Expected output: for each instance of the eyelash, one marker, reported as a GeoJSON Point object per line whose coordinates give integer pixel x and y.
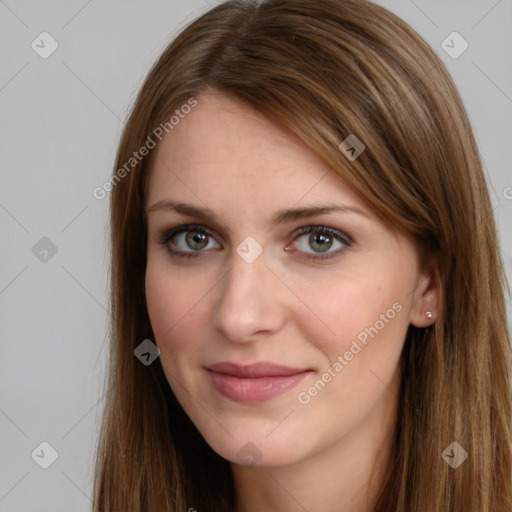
{"type": "Point", "coordinates": [338, 235]}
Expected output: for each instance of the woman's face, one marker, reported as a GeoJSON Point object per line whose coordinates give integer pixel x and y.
{"type": "Point", "coordinates": [247, 284]}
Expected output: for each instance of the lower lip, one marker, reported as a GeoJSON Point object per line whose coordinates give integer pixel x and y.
{"type": "Point", "coordinates": [254, 389]}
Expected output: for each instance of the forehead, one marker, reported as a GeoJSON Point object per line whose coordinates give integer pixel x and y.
{"type": "Point", "coordinates": [225, 150]}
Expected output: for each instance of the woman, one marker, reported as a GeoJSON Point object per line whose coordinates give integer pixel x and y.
{"type": "Point", "coordinates": [289, 376]}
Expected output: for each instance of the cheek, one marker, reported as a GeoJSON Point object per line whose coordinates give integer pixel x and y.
{"type": "Point", "coordinates": [173, 310]}
{"type": "Point", "coordinates": [360, 360]}
{"type": "Point", "coordinates": [364, 316]}
{"type": "Point", "coordinates": [164, 310]}
{"type": "Point", "coordinates": [161, 308]}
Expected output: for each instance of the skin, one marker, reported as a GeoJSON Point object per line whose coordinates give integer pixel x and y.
{"type": "Point", "coordinates": [331, 453]}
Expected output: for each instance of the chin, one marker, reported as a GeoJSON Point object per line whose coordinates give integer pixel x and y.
{"type": "Point", "coordinates": [256, 451]}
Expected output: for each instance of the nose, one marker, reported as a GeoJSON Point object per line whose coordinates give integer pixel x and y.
{"type": "Point", "coordinates": [248, 303]}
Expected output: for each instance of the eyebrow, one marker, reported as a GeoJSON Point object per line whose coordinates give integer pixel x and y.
{"type": "Point", "coordinates": [280, 216]}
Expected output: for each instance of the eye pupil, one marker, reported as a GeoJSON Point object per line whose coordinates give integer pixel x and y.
{"type": "Point", "coordinates": [194, 237]}
{"type": "Point", "coordinates": [322, 240]}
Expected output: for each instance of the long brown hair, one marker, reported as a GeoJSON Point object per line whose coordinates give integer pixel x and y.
{"type": "Point", "coordinates": [325, 70]}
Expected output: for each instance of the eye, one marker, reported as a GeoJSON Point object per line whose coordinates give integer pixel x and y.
{"type": "Point", "coordinates": [189, 239]}
{"type": "Point", "coordinates": [321, 239]}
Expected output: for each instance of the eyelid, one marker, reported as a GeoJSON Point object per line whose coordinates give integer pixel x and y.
{"type": "Point", "coordinates": [322, 228]}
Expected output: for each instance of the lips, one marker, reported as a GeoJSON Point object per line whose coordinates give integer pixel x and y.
{"type": "Point", "coordinates": [255, 370]}
{"type": "Point", "coordinates": [255, 382]}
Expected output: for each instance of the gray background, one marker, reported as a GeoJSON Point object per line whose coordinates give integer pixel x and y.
{"type": "Point", "coordinates": [61, 119]}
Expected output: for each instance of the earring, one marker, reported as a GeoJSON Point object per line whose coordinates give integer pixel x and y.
{"type": "Point", "coordinates": [429, 314]}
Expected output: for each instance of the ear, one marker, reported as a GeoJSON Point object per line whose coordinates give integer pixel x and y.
{"type": "Point", "coordinates": [426, 298]}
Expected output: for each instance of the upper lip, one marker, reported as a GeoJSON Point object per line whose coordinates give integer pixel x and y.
{"type": "Point", "coordinates": [259, 369]}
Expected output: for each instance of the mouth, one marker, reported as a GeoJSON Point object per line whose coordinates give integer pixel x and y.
{"type": "Point", "coordinates": [256, 382]}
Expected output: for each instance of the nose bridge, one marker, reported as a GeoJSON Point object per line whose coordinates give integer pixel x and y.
{"type": "Point", "coordinates": [246, 304]}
